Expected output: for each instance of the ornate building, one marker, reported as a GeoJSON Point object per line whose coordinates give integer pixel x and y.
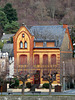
{"type": "Point", "coordinates": [43, 47]}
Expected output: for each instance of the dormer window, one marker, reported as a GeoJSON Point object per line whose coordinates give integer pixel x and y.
{"type": "Point", "coordinates": [23, 35]}
{"type": "Point", "coordinates": [25, 44]}
{"type": "Point", "coordinates": [51, 44]}
{"type": "Point", "coordinates": [21, 44]}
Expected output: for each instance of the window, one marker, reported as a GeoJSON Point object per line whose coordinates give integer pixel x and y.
{"type": "Point", "coordinates": [23, 35]}
{"type": "Point", "coordinates": [25, 44]}
{"type": "Point", "coordinates": [21, 44]}
{"type": "Point", "coordinates": [23, 59]}
{"type": "Point", "coordinates": [45, 59]}
{"type": "Point", "coordinates": [36, 59]}
{"type": "Point", "coordinates": [53, 59]}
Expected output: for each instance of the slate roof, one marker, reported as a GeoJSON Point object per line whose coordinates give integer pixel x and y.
{"type": "Point", "coordinates": [44, 33]}
{"type": "Point", "coordinates": [7, 36]}
{"type": "Point", "coordinates": [8, 48]}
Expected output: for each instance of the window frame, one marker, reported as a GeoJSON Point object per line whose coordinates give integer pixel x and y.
{"type": "Point", "coordinates": [21, 44]}
{"type": "Point", "coordinates": [53, 59]}
{"type": "Point", "coordinates": [22, 62]}
{"type": "Point", "coordinates": [23, 35]}
{"type": "Point", "coordinates": [36, 62]}
{"type": "Point", "coordinates": [25, 45]}
{"type": "Point", "coordinates": [45, 62]}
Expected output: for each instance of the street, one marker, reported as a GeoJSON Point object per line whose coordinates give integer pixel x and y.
{"type": "Point", "coordinates": [67, 92]}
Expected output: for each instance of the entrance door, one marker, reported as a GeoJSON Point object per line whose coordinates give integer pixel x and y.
{"type": "Point", "coordinates": [37, 77]}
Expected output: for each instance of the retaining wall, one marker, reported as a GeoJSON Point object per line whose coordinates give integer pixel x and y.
{"type": "Point", "coordinates": [37, 97]}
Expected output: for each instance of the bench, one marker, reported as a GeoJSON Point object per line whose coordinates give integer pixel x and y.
{"type": "Point", "coordinates": [34, 92]}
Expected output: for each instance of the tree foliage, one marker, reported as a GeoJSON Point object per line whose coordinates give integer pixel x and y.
{"type": "Point", "coordinates": [1, 9]}
{"type": "Point", "coordinates": [10, 12]}
{"type": "Point", "coordinates": [11, 28]}
{"type": "Point", "coordinates": [73, 34]}
{"type": "Point", "coordinates": [8, 18]}
{"type": "Point", "coordinates": [44, 11]}
{"type": "Point", "coordinates": [3, 19]}
{"type": "Point", "coordinates": [1, 45]}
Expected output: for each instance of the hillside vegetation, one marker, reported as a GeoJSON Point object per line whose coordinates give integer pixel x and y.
{"type": "Point", "coordinates": [43, 12]}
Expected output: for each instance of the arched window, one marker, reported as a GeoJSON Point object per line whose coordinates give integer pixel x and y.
{"type": "Point", "coordinates": [53, 59]}
{"type": "Point", "coordinates": [23, 59]}
{"type": "Point", "coordinates": [25, 44]}
{"type": "Point", "coordinates": [36, 59]}
{"type": "Point", "coordinates": [21, 44]}
{"type": "Point", "coordinates": [45, 59]}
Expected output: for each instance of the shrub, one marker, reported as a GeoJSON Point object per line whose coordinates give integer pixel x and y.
{"type": "Point", "coordinates": [46, 85]}
{"type": "Point", "coordinates": [16, 82]}
{"type": "Point", "coordinates": [28, 85]}
{"type": "Point", "coordinates": [1, 45]}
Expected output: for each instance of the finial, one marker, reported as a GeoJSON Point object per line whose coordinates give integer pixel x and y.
{"type": "Point", "coordinates": [23, 24]}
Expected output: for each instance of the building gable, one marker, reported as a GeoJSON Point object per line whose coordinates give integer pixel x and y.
{"type": "Point", "coordinates": [66, 47]}
{"type": "Point", "coordinates": [22, 30]}
{"type": "Point", "coordinates": [67, 43]}
{"type": "Point", "coordinates": [67, 31]}
{"type": "Point", "coordinates": [23, 35]}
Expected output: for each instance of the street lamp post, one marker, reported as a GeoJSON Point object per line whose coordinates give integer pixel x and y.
{"type": "Point", "coordinates": [63, 76]}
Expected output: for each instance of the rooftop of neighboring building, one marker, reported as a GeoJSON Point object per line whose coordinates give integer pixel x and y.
{"type": "Point", "coordinates": [7, 36]}
{"type": "Point", "coordinates": [8, 48]}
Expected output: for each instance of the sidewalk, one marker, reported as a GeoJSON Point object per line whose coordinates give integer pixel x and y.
{"type": "Point", "coordinates": [27, 90]}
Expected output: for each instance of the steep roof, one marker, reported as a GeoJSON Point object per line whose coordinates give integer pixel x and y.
{"type": "Point", "coordinates": [7, 36]}
{"type": "Point", "coordinates": [53, 32]}
{"type": "Point", "coordinates": [8, 48]}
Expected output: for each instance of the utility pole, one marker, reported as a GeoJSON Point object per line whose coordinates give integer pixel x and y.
{"type": "Point", "coordinates": [63, 75]}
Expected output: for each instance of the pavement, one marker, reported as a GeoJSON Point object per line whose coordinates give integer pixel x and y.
{"type": "Point", "coordinates": [42, 92]}
{"type": "Point", "coordinates": [27, 90]}
{"type": "Point", "coordinates": [72, 91]}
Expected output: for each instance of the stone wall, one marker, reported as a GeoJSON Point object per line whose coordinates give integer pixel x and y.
{"type": "Point", "coordinates": [37, 97]}
{"type": "Point", "coordinates": [66, 49]}
{"type": "Point", "coordinates": [66, 56]}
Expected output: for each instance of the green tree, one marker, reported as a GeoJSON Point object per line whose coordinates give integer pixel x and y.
{"type": "Point", "coordinates": [3, 19]}
{"type": "Point", "coordinates": [11, 39]}
{"type": "Point", "coordinates": [11, 28]}
{"type": "Point", "coordinates": [73, 34]}
{"type": "Point", "coordinates": [10, 12]}
{"type": "Point", "coordinates": [1, 9]}
{"type": "Point", "coordinates": [16, 82]}
{"type": "Point", "coordinates": [1, 45]}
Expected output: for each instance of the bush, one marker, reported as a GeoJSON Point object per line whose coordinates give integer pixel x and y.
{"type": "Point", "coordinates": [1, 45]}
{"type": "Point", "coordinates": [28, 85]}
{"type": "Point", "coordinates": [16, 82]}
{"type": "Point", "coordinates": [12, 85]}
{"type": "Point", "coordinates": [46, 85]}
